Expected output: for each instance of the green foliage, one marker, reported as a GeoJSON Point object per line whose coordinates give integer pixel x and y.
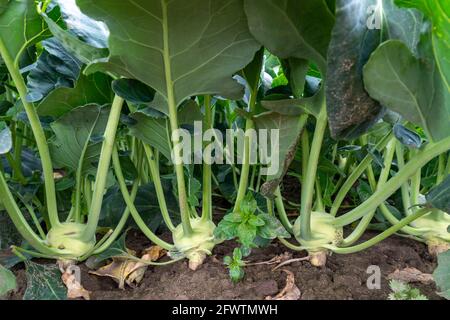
{"type": "Point", "coordinates": [21, 24]}
{"type": "Point", "coordinates": [92, 89]}
{"type": "Point", "coordinates": [44, 282]}
{"type": "Point", "coordinates": [54, 69]}
{"type": "Point", "coordinates": [403, 82]}
{"type": "Point", "coordinates": [235, 265]}
{"type": "Point", "coordinates": [442, 275]}
{"type": "Point", "coordinates": [185, 50]}
{"type": "Point", "coordinates": [438, 13]}
{"type": "Point", "coordinates": [7, 281]}
{"type": "Point", "coordinates": [439, 197]}
{"type": "Point", "coordinates": [403, 291]}
{"type": "Point", "coordinates": [83, 37]}
{"type": "Point", "coordinates": [78, 137]}
{"type": "Point", "coordinates": [248, 224]}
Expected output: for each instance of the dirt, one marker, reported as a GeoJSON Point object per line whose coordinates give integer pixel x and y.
{"type": "Point", "coordinates": [343, 278]}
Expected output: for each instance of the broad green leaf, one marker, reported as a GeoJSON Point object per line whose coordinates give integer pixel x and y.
{"type": "Point", "coordinates": [289, 129]}
{"type": "Point", "coordinates": [410, 86]}
{"type": "Point", "coordinates": [6, 143]}
{"type": "Point", "coordinates": [439, 196]}
{"type": "Point", "coordinates": [20, 26]}
{"type": "Point", "coordinates": [44, 282]}
{"type": "Point", "coordinates": [442, 275]}
{"type": "Point", "coordinates": [402, 24]}
{"type": "Point", "coordinates": [84, 37]}
{"type": "Point", "coordinates": [179, 48]}
{"type": "Point", "coordinates": [54, 69]}
{"type": "Point", "coordinates": [75, 135]}
{"type": "Point", "coordinates": [292, 28]}
{"type": "Point", "coordinates": [95, 88]}
{"type": "Point", "coordinates": [7, 281]}
{"type": "Point", "coordinates": [351, 110]}
{"type": "Point", "coordinates": [438, 11]}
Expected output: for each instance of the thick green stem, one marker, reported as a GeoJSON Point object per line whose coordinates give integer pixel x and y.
{"type": "Point", "coordinates": [179, 167]}
{"type": "Point", "coordinates": [282, 211]}
{"type": "Point", "coordinates": [103, 167]}
{"type": "Point", "coordinates": [441, 169]}
{"type": "Point", "coordinates": [354, 176]}
{"type": "Point", "coordinates": [126, 214]}
{"type": "Point", "coordinates": [245, 171]}
{"type": "Point", "coordinates": [207, 183]}
{"type": "Point", "coordinates": [154, 170]}
{"type": "Point", "coordinates": [129, 202]}
{"type": "Point", "coordinates": [38, 131]}
{"type": "Point", "coordinates": [415, 182]}
{"type": "Point", "coordinates": [310, 178]}
{"type": "Point", "coordinates": [305, 152]}
{"type": "Point", "coordinates": [422, 158]}
{"type": "Point", "coordinates": [319, 198]}
{"type": "Point", "coordinates": [384, 176]}
{"type": "Point", "coordinates": [382, 236]}
{"type": "Point", "coordinates": [393, 220]}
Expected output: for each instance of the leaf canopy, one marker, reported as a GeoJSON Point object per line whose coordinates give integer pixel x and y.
{"type": "Point", "coordinates": [179, 48]}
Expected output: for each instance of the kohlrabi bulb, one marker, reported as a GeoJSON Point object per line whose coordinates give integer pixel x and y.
{"type": "Point", "coordinates": [67, 239]}
{"type": "Point", "coordinates": [323, 232]}
{"type": "Point", "coordinates": [435, 231]}
{"type": "Point", "coordinates": [198, 245]}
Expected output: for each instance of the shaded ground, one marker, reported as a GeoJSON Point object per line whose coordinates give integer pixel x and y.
{"type": "Point", "coordinates": [344, 277]}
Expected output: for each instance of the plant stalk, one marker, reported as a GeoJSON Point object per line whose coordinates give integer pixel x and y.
{"type": "Point", "coordinates": [39, 134]}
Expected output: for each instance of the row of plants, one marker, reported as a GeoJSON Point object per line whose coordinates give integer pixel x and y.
{"type": "Point", "coordinates": [94, 94]}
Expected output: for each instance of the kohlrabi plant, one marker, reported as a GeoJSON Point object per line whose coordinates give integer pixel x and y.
{"type": "Point", "coordinates": [113, 115]}
{"type": "Point", "coordinates": [84, 133]}
{"type": "Point", "coordinates": [180, 50]}
{"type": "Point", "coordinates": [342, 102]}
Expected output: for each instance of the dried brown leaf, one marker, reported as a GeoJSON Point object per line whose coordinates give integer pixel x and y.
{"type": "Point", "coordinates": [127, 271]}
{"type": "Point", "coordinates": [411, 275]}
{"type": "Point", "coordinates": [290, 291]}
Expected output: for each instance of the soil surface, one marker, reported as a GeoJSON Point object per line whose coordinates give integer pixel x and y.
{"type": "Point", "coordinates": [344, 277]}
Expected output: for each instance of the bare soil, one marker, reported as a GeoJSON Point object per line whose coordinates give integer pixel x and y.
{"type": "Point", "coordinates": [343, 278]}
